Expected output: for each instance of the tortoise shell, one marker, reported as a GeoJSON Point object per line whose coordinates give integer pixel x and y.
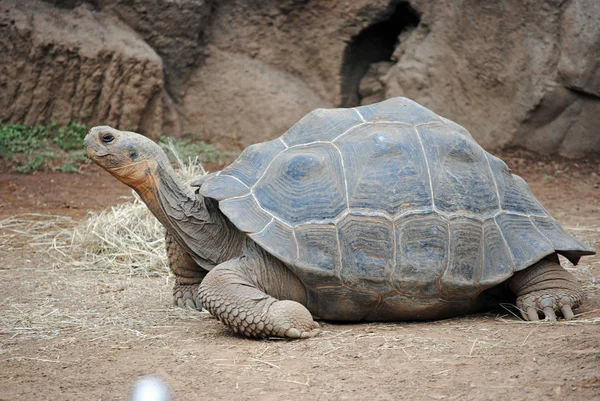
{"type": "Point", "coordinates": [386, 198]}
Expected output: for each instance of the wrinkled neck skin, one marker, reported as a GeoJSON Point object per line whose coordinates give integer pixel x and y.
{"type": "Point", "coordinates": [196, 223]}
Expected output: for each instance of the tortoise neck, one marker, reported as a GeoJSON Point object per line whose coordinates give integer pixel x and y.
{"type": "Point", "coordinates": [173, 197]}
{"type": "Point", "coordinates": [196, 223]}
{"type": "Point", "coordinates": [157, 185]}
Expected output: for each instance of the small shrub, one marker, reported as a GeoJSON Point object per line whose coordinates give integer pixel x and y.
{"type": "Point", "coordinates": [32, 148]}
{"type": "Point", "coordinates": [191, 147]}
{"type": "Point", "coordinates": [594, 358]}
{"type": "Point", "coordinates": [35, 161]}
{"type": "Point", "coordinates": [69, 137]}
{"type": "Point", "coordinates": [17, 138]}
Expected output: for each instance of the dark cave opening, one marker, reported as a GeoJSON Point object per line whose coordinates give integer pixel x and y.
{"type": "Point", "coordinates": [375, 43]}
{"type": "Point", "coordinates": [71, 4]}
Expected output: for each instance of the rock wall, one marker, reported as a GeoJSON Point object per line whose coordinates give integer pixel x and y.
{"type": "Point", "coordinates": [238, 100]}
{"type": "Point", "coordinates": [514, 72]}
{"type": "Point", "coordinates": [76, 65]}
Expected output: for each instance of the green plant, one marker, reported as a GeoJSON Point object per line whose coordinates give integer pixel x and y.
{"type": "Point", "coordinates": [73, 160]}
{"type": "Point", "coordinates": [594, 358]}
{"type": "Point", "coordinates": [69, 137]}
{"type": "Point", "coordinates": [17, 138]}
{"type": "Point", "coordinates": [31, 148]}
{"type": "Point", "coordinates": [190, 147]}
{"type": "Point", "coordinates": [35, 161]}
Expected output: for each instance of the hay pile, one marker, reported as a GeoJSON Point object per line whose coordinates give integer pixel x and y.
{"type": "Point", "coordinates": [127, 238]}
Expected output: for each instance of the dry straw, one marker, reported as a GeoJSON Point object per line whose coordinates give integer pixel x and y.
{"type": "Point", "coordinates": [123, 239]}
{"type": "Point", "coordinates": [127, 238]}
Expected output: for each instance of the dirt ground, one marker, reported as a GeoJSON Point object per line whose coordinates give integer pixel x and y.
{"type": "Point", "coordinates": [77, 334]}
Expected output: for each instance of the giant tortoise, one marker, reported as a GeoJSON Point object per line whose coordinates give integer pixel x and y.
{"type": "Point", "coordinates": [383, 212]}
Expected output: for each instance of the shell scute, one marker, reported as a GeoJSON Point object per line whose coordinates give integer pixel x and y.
{"type": "Point", "coordinates": [398, 109]}
{"type": "Point", "coordinates": [498, 263]}
{"type": "Point", "coordinates": [422, 253]}
{"type": "Point", "coordinates": [304, 184]}
{"type": "Point", "coordinates": [278, 239]}
{"type": "Point", "coordinates": [319, 256]}
{"type": "Point", "coordinates": [526, 243]}
{"type": "Point", "coordinates": [383, 168]}
{"type": "Point", "coordinates": [246, 213]}
{"type": "Point", "coordinates": [321, 125]}
{"type": "Point", "coordinates": [367, 252]}
{"type": "Point", "coordinates": [253, 161]}
{"type": "Point", "coordinates": [223, 188]}
{"type": "Point", "coordinates": [462, 276]}
{"type": "Point", "coordinates": [461, 179]}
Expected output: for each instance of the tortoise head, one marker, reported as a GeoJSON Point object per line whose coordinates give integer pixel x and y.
{"type": "Point", "coordinates": [132, 158]}
{"type": "Point", "coordinates": [141, 164]}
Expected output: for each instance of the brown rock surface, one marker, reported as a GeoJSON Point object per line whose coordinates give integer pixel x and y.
{"type": "Point", "coordinates": [579, 63]}
{"type": "Point", "coordinates": [76, 65]}
{"type": "Point", "coordinates": [238, 100]}
{"type": "Point", "coordinates": [174, 29]}
{"type": "Point", "coordinates": [515, 73]}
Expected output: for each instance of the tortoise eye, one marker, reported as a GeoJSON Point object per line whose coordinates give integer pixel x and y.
{"type": "Point", "coordinates": [108, 138]}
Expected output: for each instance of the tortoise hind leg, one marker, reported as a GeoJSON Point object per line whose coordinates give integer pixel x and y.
{"type": "Point", "coordinates": [546, 288]}
{"type": "Point", "coordinates": [188, 275]}
{"type": "Point", "coordinates": [258, 296]}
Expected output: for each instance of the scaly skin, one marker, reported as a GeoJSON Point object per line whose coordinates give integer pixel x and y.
{"type": "Point", "coordinates": [235, 292]}
{"type": "Point", "coordinates": [188, 275]}
{"type": "Point", "coordinates": [545, 288]}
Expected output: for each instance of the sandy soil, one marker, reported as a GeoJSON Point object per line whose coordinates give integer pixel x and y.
{"type": "Point", "coordinates": [72, 334]}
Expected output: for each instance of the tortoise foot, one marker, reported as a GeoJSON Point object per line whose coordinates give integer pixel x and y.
{"type": "Point", "coordinates": [289, 319]}
{"type": "Point", "coordinates": [273, 308]}
{"type": "Point", "coordinates": [549, 303]}
{"type": "Point", "coordinates": [268, 318]}
{"type": "Point", "coordinates": [186, 296]}
{"type": "Point", "coordinates": [546, 289]}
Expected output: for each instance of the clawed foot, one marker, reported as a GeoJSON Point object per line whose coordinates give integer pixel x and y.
{"type": "Point", "coordinates": [186, 296]}
{"type": "Point", "coordinates": [295, 333]}
{"type": "Point", "coordinates": [285, 319]}
{"type": "Point", "coordinates": [548, 304]}
{"type": "Point", "coordinates": [291, 320]}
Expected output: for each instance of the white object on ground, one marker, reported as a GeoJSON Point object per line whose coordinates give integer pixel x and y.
{"type": "Point", "coordinates": [150, 388]}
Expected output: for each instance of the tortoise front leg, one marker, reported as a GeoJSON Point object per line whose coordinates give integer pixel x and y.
{"type": "Point", "coordinates": [257, 295]}
{"type": "Point", "coordinates": [546, 288]}
{"type": "Point", "coordinates": [188, 275]}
